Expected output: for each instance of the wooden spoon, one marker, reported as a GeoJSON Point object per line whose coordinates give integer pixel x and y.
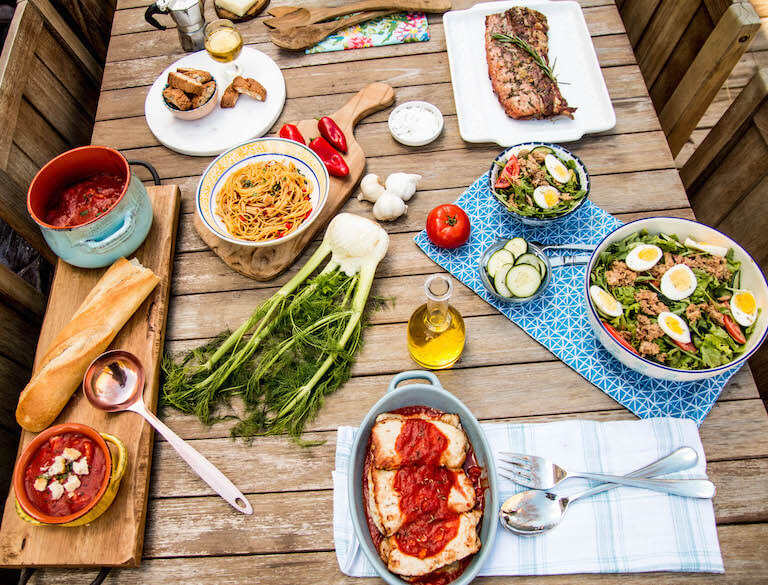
{"type": "Point", "coordinates": [301, 37]}
{"type": "Point", "coordinates": [301, 16]}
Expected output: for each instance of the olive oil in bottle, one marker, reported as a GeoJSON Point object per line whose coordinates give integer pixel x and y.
{"type": "Point", "coordinates": [436, 330]}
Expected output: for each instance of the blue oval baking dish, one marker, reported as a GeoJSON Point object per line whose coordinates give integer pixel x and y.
{"type": "Point", "coordinates": [435, 396]}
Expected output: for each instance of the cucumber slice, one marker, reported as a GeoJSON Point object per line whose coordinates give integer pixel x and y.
{"type": "Point", "coordinates": [542, 268]}
{"type": "Point", "coordinates": [497, 260]}
{"type": "Point", "coordinates": [531, 259]}
{"type": "Point", "coordinates": [543, 150]}
{"type": "Point", "coordinates": [500, 281]}
{"type": "Point", "coordinates": [523, 280]}
{"type": "Point", "coordinates": [518, 246]}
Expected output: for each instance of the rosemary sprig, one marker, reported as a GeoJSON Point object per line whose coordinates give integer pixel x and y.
{"type": "Point", "coordinates": [537, 58]}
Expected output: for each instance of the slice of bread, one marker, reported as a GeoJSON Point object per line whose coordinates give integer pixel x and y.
{"type": "Point", "coordinates": [250, 87]}
{"type": "Point", "coordinates": [208, 90]}
{"type": "Point", "coordinates": [185, 83]}
{"type": "Point", "coordinates": [177, 98]}
{"type": "Point", "coordinates": [199, 75]}
{"type": "Point", "coordinates": [229, 97]}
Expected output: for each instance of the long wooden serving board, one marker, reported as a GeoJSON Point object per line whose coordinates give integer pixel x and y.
{"type": "Point", "coordinates": [267, 263]}
{"type": "Point", "coordinates": [117, 537]}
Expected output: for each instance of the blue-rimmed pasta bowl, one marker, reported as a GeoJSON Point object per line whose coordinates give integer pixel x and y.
{"type": "Point", "coordinates": [256, 151]}
{"type": "Point", "coordinates": [752, 278]}
{"type": "Point", "coordinates": [566, 155]}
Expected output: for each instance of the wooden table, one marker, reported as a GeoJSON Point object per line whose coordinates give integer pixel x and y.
{"type": "Point", "coordinates": [194, 537]}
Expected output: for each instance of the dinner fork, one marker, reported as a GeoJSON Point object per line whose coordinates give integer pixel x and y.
{"type": "Point", "coordinates": [542, 474]}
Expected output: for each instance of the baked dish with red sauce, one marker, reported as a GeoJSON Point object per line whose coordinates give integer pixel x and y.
{"type": "Point", "coordinates": [65, 474]}
{"type": "Point", "coordinates": [424, 494]}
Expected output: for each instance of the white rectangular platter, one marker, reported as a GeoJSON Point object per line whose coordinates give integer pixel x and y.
{"type": "Point", "coordinates": [481, 117]}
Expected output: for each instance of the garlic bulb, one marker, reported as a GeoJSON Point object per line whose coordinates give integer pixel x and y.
{"type": "Point", "coordinates": [371, 188]}
{"type": "Point", "coordinates": [388, 207]}
{"type": "Point", "coordinates": [403, 184]}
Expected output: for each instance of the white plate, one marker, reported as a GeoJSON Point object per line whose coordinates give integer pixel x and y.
{"type": "Point", "coordinates": [481, 117]}
{"type": "Point", "coordinates": [223, 128]}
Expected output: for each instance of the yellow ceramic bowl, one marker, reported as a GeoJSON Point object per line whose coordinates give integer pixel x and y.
{"type": "Point", "coordinates": [103, 499]}
{"type": "Point", "coordinates": [255, 151]}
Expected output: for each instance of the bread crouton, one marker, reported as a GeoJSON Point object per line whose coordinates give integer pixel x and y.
{"type": "Point", "coordinates": [199, 75]}
{"type": "Point", "coordinates": [229, 97]}
{"type": "Point", "coordinates": [250, 87]}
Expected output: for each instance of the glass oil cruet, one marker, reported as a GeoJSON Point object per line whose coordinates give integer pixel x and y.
{"type": "Point", "coordinates": [436, 331]}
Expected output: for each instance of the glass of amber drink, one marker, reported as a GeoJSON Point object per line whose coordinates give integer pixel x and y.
{"type": "Point", "coordinates": [224, 44]}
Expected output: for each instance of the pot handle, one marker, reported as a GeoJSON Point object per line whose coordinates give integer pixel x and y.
{"type": "Point", "coordinates": [149, 167]}
{"type": "Point", "coordinates": [120, 464]}
{"type": "Point", "coordinates": [123, 232]}
{"type": "Point", "coordinates": [149, 15]}
{"type": "Point", "coordinates": [413, 375]}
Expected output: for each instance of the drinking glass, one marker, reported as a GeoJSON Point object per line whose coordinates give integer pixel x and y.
{"type": "Point", "coordinates": [224, 44]}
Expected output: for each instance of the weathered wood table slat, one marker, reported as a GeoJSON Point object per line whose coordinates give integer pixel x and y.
{"type": "Point", "coordinates": [193, 536]}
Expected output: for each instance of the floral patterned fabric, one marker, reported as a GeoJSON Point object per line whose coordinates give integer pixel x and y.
{"type": "Point", "coordinates": [395, 29]}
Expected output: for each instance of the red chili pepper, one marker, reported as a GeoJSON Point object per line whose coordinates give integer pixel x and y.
{"type": "Point", "coordinates": [689, 347]}
{"type": "Point", "coordinates": [333, 161]}
{"type": "Point", "coordinates": [288, 225]}
{"type": "Point", "coordinates": [291, 132]}
{"type": "Point", "coordinates": [332, 133]}
{"type": "Point", "coordinates": [734, 330]}
{"type": "Point", "coordinates": [615, 334]}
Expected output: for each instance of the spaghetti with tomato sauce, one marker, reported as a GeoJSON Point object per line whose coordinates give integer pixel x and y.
{"type": "Point", "coordinates": [424, 487]}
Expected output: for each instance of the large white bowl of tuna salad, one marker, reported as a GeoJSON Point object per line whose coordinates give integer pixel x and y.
{"type": "Point", "coordinates": [635, 336]}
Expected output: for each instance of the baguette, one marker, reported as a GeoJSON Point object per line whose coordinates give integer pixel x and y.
{"type": "Point", "coordinates": [92, 328]}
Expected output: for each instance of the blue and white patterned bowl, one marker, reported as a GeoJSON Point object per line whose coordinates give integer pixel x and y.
{"type": "Point", "coordinates": [260, 150]}
{"type": "Point", "coordinates": [752, 279]}
{"type": "Point", "coordinates": [562, 153]}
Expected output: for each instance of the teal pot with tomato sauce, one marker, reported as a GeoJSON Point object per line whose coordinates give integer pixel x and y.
{"type": "Point", "coordinates": [431, 395]}
{"type": "Point", "coordinates": [90, 207]}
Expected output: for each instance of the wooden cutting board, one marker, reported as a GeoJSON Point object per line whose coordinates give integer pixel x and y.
{"type": "Point", "coordinates": [116, 538]}
{"type": "Point", "coordinates": [267, 263]}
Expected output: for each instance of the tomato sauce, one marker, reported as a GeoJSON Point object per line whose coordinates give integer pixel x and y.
{"type": "Point", "coordinates": [85, 200]}
{"type": "Point", "coordinates": [424, 487]}
{"type": "Point", "coordinates": [90, 483]}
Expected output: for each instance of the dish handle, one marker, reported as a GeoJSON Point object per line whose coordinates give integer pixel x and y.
{"type": "Point", "coordinates": [119, 463]}
{"type": "Point", "coordinates": [413, 375]}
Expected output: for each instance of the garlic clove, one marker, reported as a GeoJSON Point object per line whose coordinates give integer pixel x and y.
{"type": "Point", "coordinates": [389, 207]}
{"type": "Point", "coordinates": [403, 184]}
{"type": "Point", "coordinates": [371, 188]}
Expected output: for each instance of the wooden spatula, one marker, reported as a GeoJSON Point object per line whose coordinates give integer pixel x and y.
{"type": "Point", "coordinates": [302, 37]}
{"type": "Point", "coordinates": [288, 16]}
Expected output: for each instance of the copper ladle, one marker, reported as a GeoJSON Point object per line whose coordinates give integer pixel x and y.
{"type": "Point", "coordinates": [114, 382]}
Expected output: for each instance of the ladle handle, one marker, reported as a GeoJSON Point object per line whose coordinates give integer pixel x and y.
{"type": "Point", "coordinates": [207, 471]}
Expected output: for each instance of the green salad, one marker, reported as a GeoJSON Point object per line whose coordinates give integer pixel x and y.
{"type": "Point", "coordinates": [539, 183]}
{"type": "Point", "coordinates": [678, 303]}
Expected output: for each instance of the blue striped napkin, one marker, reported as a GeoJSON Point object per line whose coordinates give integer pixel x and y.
{"type": "Point", "coordinates": [625, 530]}
{"type": "Point", "coordinates": [558, 318]}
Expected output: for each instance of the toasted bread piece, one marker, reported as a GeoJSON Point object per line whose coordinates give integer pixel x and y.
{"type": "Point", "coordinates": [177, 98]}
{"type": "Point", "coordinates": [229, 97]}
{"type": "Point", "coordinates": [199, 75]}
{"type": "Point", "coordinates": [208, 90]}
{"type": "Point", "coordinates": [185, 83]}
{"type": "Point", "coordinates": [250, 87]}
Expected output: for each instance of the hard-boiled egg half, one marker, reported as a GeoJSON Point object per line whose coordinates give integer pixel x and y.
{"type": "Point", "coordinates": [643, 257]}
{"type": "Point", "coordinates": [675, 327]}
{"type": "Point", "coordinates": [678, 282]}
{"type": "Point", "coordinates": [705, 247]}
{"type": "Point", "coordinates": [744, 307]}
{"type": "Point", "coordinates": [546, 196]}
{"type": "Point", "coordinates": [605, 302]}
{"type": "Point", "coordinates": [556, 169]}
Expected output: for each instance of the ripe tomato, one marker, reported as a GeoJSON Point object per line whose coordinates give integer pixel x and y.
{"type": "Point", "coordinates": [510, 171]}
{"type": "Point", "coordinates": [734, 330]}
{"type": "Point", "coordinates": [689, 347]}
{"type": "Point", "coordinates": [615, 334]}
{"type": "Point", "coordinates": [448, 226]}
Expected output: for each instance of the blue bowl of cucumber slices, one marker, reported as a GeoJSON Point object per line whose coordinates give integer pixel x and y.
{"type": "Point", "coordinates": [515, 270]}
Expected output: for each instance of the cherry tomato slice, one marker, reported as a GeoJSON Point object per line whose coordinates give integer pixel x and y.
{"type": "Point", "coordinates": [448, 226]}
{"type": "Point", "coordinates": [689, 347]}
{"type": "Point", "coordinates": [734, 330]}
{"type": "Point", "coordinates": [615, 334]}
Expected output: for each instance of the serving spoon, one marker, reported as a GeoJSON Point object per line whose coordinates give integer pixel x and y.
{"type": "Point", "coordinates": [114, 382]}
{"type": "Point", "coordinates": [534, 512]}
